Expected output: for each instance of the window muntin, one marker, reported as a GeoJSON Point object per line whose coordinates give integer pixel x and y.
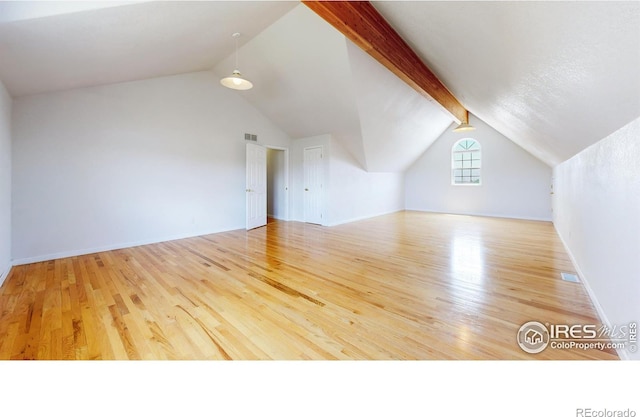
{"type": "Point", "coordinates": [466, 162]}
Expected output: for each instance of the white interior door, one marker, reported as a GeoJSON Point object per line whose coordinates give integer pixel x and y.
{"type": "Point", "coordinates": [256, 186]}
{"type": "Point", "coordinates": [313, 185]}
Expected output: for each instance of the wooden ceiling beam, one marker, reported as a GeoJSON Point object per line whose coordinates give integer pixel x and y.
{"type": "Point", "coordinates": [360, 22]}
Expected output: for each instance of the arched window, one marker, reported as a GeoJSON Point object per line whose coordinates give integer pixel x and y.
{"type": "Point", "coordinates": [466, 162]}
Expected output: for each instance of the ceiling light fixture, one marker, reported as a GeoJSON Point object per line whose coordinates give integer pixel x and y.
{"type": "Point", "coordinates": [464, 126]}
{"type": "Point", "coordinates": [235, 80]}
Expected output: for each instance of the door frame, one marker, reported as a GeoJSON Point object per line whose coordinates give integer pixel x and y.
{"type": "Point", "coordinates": [286, 178]}
{"type": "Point", "coordinates": [248, 191]}
{"type": "Point", "coordinates": [323, 196]}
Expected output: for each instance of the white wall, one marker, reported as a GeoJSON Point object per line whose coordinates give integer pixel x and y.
{"type": "Point", "coordinates": [350, 193]}
{"type": "Point", "coordinates": [130, 163]}
{"type": "Point", "coordinates": [514, 183]}
{"type": "Point", "coordinates": [357, 194]}
{"type": "Point", "coordinates": [276, 184]}
{"type": "Point", "coordinates": [5, 182]}
{"type": "Point", "coordinates": [597, 214]}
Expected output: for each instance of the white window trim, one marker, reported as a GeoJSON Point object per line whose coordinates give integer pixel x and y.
{"type": "Point", "coordinates": [452, 169]}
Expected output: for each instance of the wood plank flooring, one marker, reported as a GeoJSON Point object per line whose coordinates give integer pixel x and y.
{"type": "Point", "coordinates": [403, 286]}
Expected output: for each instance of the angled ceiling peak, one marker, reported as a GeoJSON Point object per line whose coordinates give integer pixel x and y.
{"type": "Point", "coordinates": [361, 23]}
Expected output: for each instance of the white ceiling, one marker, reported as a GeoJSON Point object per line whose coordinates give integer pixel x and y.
{"type": "Point", "coordinates": [301, 75]}
{"type": "Point", "coordinates": [13, 11]}
{"type": "Point", "coordinates": [44, 47]}
{"type": "Point", "coordinates": [554, 77]}
{"type": "Point", "coordinates": [310, 80]}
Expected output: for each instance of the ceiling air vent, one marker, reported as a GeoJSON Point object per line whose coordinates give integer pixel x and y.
{"type": "Point", "coordinates": [250, 137]}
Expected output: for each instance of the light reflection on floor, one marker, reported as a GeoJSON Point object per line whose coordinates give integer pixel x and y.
{"type": "Point", "coordinates": [467, 261]}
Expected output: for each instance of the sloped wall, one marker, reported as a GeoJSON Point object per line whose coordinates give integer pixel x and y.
{"type": "Point", "coordinates": [397, 124]}
{"type": "Point", "coordinates": [356, 194]}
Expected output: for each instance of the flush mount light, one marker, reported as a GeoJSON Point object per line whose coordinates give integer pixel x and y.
{"type": "Point", "coordinates": [464, 126]}
{"type": "Point", "coordinates": [235, 81]}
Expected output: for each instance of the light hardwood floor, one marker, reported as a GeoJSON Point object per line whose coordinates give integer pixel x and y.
{"type": "Point", "coordinates": [402, 286]}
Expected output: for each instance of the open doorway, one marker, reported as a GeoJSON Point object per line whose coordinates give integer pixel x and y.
{"type": "Point", "coordinates": [277, 183]}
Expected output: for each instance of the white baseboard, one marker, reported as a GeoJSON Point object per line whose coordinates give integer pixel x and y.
{"type": "Point", "coordinates": [355, 219]}
{"type": "Point", "coordinates": [79, 252]}
{"type": "Point", "coordinates": [277, 217]}
{"type": "Point", "coordinates": [5, 274]}
{"type": "Point", "coordinates": [497, 216]}
{"type": "Point", "coordinates": [623, 354]}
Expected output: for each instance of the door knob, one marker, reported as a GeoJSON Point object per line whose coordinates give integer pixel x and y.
{"type": "Point", "coordinates": [306, 189]}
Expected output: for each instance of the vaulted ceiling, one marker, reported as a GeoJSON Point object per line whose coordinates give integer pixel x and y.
{"type": "Point", "coordinates": [62, 45]}
{"type": "Point", "coordinates": [554, 77]}
{"type": "Point", "coordinates": [310, 81]}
